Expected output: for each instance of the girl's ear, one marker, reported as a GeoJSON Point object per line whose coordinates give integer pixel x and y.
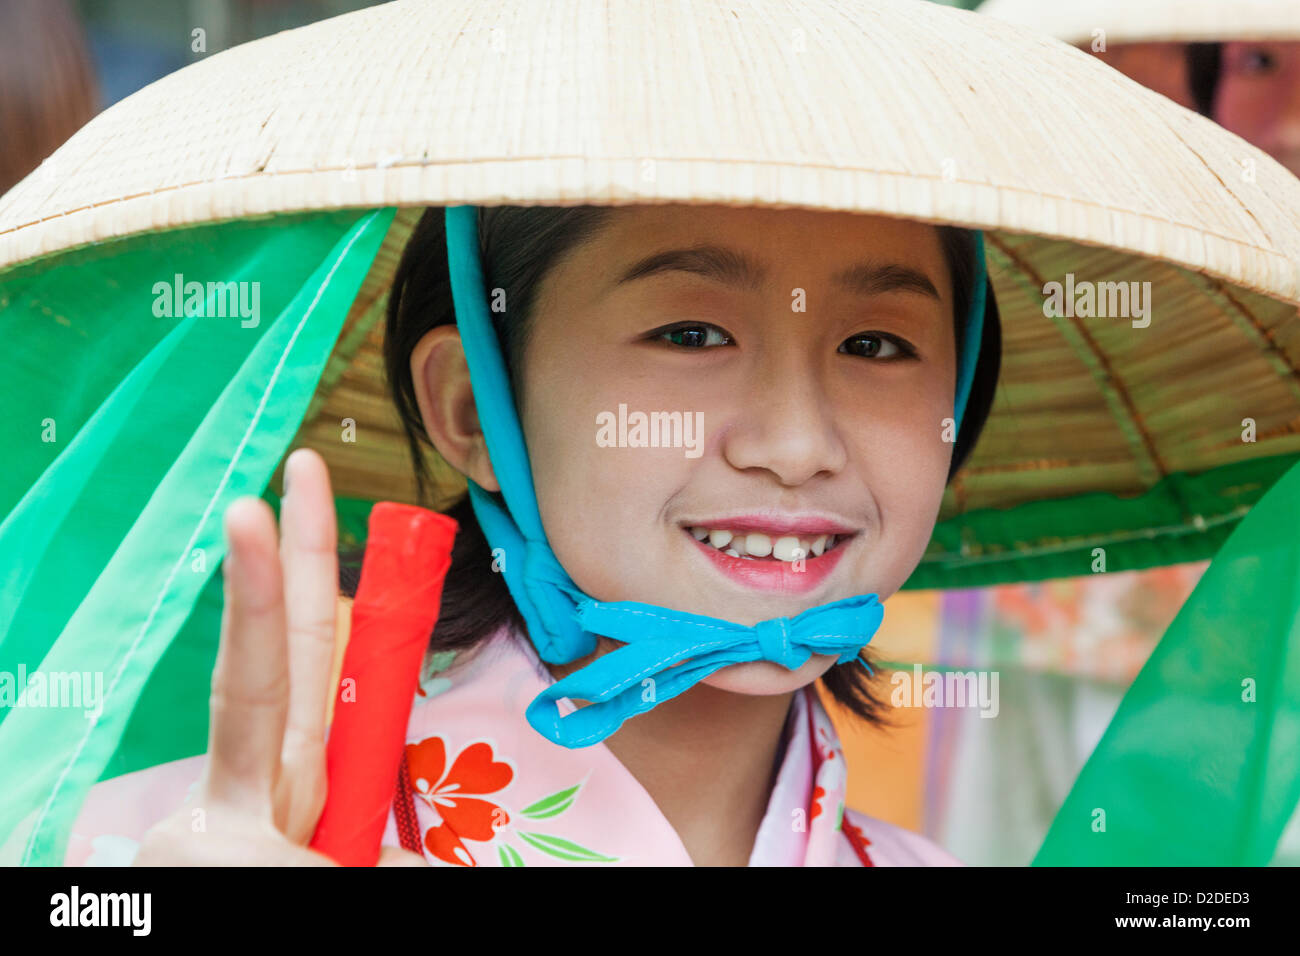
{"type": "Point", "coordinates": [440, 375]}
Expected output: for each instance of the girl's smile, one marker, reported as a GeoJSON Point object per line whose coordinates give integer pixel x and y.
{"type": "Point", "coordinates": [791, 554]}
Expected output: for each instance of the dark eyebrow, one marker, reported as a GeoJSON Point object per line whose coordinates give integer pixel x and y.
{"type": "Point", "coordinates": [868, 279]}
{"type": "Point", "coordinates": [712, 262]}
{"type": "Point", "coordinates": [742, 272]}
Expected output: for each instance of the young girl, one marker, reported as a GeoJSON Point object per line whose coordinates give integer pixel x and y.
{"type": "Point", "coordinates": [823, 436]}
{"type": "Point", "coordinates": [709, 417]}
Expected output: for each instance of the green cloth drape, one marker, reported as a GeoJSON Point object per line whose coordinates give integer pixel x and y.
{"type": "Point", "coordinates": [158, 423]}
{"type": "Point", "coordinates": [1201, 764]}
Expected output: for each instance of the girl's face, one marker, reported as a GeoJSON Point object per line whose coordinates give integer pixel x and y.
{"type": "Point", "coordinates": [804, 363]}
{"type": "Point", "coordinates": [1259, 97]}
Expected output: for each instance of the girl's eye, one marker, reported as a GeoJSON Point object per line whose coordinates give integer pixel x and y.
{"type": "Point", "coordinates": [1258, 61]}
{"type": "Point", "coordinates": [877, 345]}
{"type": "Point", "coordinates": [694, 335]}
{"type": "Point", "coordinates": [701, 335]}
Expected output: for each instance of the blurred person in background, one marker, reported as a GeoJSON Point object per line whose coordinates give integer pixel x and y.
{"type": "Point", "coordinates": [47, 83]}
{"type": "Point", "coordinates": [1253, 89]}
{"type": "Point", "coordinates": [1237, 64]}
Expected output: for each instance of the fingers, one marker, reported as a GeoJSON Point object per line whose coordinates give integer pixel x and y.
{"type": "Point", "coordinates": [250, 683]}
{"type": "Point", "coordinates": [309, 560]}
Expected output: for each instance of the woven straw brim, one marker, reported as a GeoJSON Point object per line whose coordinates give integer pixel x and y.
{"type": "Point", "coordinates": [1153, 21]}
{"type": "Point", "coordinates": [903, 109]}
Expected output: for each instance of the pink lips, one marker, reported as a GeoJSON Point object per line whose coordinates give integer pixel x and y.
{"type": "Point", "coordinates": [772, 575]}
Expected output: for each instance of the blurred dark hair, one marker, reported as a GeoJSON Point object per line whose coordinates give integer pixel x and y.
{"type": "Point", "coordinates": [1204, 67]}
{"type": "Point", "coordinates": [518, 245]}
{"type": "Point", "coordinates": [47, 85]}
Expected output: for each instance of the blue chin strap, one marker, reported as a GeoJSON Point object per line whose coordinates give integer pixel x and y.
{"type": "Point", "coordinates": [666, 651]}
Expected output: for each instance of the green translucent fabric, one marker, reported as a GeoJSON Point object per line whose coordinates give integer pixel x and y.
{"type": "Point", "coordinates": [1201, 764]}
{"type": "Point", "coordinates": [114, 528]}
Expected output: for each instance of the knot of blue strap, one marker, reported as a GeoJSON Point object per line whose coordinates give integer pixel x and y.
{"type": "Point", "coordinates": [667, 652]}
{"type": "Point", "coordinates": [774, 642]}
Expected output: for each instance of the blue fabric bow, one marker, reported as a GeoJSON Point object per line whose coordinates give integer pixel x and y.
{"type": "Point", "coordinates": [667, 651]}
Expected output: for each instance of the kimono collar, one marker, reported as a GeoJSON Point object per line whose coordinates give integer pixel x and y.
{"type": "Point", "coordinates": [485, 790]}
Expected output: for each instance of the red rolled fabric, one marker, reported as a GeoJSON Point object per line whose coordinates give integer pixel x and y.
{"type": "Point", "coordinates": [408, 552]}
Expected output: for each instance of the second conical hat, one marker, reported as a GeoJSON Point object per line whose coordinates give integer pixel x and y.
{"type": "Point", "coordinates": [1153, 21]}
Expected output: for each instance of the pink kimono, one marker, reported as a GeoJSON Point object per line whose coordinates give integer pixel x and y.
{"type": "Point", "coordinates": [480, 787]}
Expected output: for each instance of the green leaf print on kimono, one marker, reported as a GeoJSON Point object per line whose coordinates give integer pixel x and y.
{"type": "Point", "coordinates": [558, 847]}
{"type": "Point", "coordinates": [431, 684]}
{"type": "Point", "coordinates": [456, 795]}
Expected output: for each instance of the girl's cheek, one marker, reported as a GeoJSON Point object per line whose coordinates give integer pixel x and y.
{"type": "Point", "coordinates": [909, 481]}
{"type": "Point", "coordinates": [598, 502]}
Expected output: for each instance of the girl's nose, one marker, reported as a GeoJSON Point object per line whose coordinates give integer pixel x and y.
{"type": "Point", "coordinates": [786, 426]}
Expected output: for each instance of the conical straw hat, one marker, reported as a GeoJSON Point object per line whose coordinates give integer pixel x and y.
{"type": "Point", "coordinates": [896, 108]}
{"type": "Point", "coordinates": [1153, 21]}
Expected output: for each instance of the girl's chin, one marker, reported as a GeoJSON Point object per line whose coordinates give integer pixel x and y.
{"type": "Point", "coordinates": [764, 677]}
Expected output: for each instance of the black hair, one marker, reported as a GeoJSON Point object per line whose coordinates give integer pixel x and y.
{"type": "Point", "coordinates": [1204, 68]}
{"type": "Point", "coordinates": [518, 245]}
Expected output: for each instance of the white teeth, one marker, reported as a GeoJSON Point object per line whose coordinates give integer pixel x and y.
{"type": "Point", "coordinates": [756, 544]}
{"type": "Point", "coordinates": [787, 548]}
